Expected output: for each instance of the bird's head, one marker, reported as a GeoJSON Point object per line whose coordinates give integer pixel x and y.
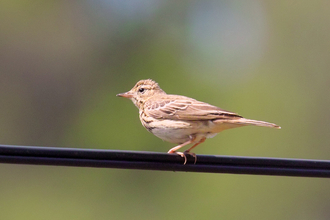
{"type": "Point", "coordinates": [142, 91]}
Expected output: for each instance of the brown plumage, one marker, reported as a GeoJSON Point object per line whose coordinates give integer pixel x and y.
{"type": "Point", "coordinates": [180, 119]}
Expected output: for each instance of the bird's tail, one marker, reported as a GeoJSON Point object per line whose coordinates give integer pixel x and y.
{"type": "Point", "coordinates": [245, 121]}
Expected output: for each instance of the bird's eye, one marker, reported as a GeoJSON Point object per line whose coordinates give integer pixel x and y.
{"type": "Point", "coordinates": [141, 90]}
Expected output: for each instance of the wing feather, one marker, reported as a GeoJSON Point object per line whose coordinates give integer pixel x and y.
{"type": "Point", "coordinates": [176, 107]}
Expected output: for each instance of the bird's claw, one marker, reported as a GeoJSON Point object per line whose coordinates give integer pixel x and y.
{"type": "Point", "coordinates": [191, 154]}
{"type": "Point", "coordinates": [183, 154]}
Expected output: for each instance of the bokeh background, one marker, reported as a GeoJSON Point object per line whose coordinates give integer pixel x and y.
{"type": "Point", "coordinates": [63, 62]}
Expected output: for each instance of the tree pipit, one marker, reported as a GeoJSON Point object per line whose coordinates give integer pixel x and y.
{"type": "Point", "coordinates": [180, 119]}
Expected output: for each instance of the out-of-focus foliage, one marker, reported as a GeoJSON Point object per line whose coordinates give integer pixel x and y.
{"type": "Point", "coordinates": [63, 62]}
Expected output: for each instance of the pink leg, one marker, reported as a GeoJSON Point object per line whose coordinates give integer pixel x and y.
{"type": "Point", "coordinates": [174, 149]}
{"type": "Point", "coordinates": [195, 145]}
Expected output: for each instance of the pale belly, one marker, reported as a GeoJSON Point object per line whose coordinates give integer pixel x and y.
{"type": "Point", "coordinates": [181, 131]}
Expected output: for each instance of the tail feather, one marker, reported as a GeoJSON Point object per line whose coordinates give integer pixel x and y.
{"type": "Point", "coordinates": [245, 121]}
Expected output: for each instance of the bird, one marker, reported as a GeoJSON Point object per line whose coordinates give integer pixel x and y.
{"type": "Point", "coordinates": [182, 120]}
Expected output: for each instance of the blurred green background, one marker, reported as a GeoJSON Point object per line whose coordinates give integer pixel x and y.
{"type": "Point", "coordinates": [63, 62]}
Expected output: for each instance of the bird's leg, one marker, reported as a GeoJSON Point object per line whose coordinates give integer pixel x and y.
{"type": "Point", "coordinates": [174, 149]}
{"type": "Point", "coordinates": [195, 145]}
{"type": "Point", "coordinates": [193, 154]}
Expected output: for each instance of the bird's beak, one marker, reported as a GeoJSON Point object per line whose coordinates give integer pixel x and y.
{"type": "Point", "coordinates": [125, 95]}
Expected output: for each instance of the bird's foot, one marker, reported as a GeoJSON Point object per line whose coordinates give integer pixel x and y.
{"type": "Point", "coordinates": [191, 154]}
{"type": "Point", "coordinates": [183, 154]}
{"type": "Point", "coordinates": [179, 153]}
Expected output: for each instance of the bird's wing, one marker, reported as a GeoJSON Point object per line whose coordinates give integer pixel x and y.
{"type": "Point", "coordinates": [176, 107]}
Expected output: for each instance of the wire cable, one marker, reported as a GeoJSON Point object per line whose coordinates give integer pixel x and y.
{"type": "Point", "coordinates": [78, 157]}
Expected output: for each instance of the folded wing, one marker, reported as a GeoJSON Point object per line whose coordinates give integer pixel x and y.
{"type": "Point", "coordinates": [175, 107]}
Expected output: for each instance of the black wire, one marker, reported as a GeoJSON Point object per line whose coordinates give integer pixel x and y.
{"type": "Point", "coordinates": [162, 161]}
